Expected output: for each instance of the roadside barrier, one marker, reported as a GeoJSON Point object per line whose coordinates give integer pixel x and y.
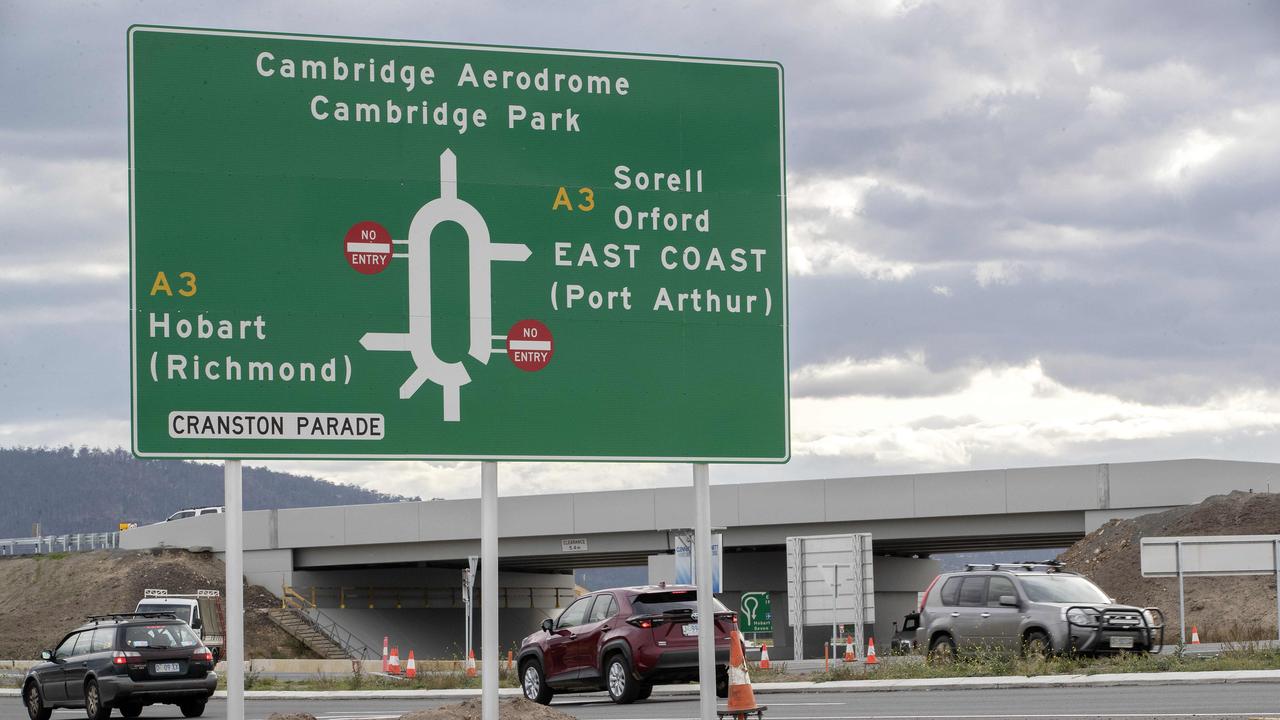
{"type": "Point", "coordinates": [471, 663]}
{"type": "Point", "coordinates": [871, 652]}
{"type": "Point", "coordinates": [411, 670]}
{"type": "Point", "coordinates": [386, 658]}
{"type": "Point", "coordinates": [742, 700]}
{"type": "Point", "coordinates": [826, 653]}
{"type": "Point", "coordinates": [511, 659]}
{"type": "Point", "coordinates": [393, 668]}
{"type": "Point", "coordinates": [764, 658]}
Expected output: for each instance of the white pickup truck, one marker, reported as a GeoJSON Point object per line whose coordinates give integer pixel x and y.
{"type": "Point", "coordinates": [202, 610]}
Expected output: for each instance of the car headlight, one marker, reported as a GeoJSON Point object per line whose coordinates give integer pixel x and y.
{"type": "Point", "coordinates": [1149, 617]}
{"type": "Point", "coordinates": [1080, 616]}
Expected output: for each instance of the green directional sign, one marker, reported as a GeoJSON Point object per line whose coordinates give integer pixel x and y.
{"type": "Point", "coordinates": [354, 248]}
{"type": "Point", "coordinates": [755, 613]}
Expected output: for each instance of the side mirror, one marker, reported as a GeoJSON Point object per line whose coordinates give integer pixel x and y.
{"type": "Point", "coordinates": [46, 655]}
{"type": "Point", "coordinates": [1009, 600]}
{"type": "Point", "coordinates": [548, 625]}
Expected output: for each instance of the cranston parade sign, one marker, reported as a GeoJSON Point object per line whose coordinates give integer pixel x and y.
{"type": "Point", "coordinates": [352, 248]}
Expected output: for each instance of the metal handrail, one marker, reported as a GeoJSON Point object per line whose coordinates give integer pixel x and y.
{"type": "Point", "coordinates": [354, 647]}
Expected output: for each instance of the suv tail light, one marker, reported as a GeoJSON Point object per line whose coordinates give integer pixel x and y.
{"type": "Point", "coordinates": [202, 653]}
{"type": "Point", "coordinates": [925, 598]}
{"type": "Point", "coordinates": [122, 657]}
{"type": "Point", "coordinates": [645, 622]}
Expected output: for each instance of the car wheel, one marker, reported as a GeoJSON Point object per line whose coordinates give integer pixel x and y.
{"type": "Point", "coordinates": [942, 650]}
{"type": "Point", "coordinates": [131, 710]}
{"type": "Point", "coordinates": [534, 685]}
{"type": "Point", "coordinates": [35, 703]}
{"type": "Point", "coordinates": [192, 708]}
{"type": "Point", "coordinates": [623, 688]}
{"type": "Point", "coordinates": [645, 691]}
{"type": "Point", "coordinates": [94, 708]}
{"type": "Point", "coordinates": [1036, 645]}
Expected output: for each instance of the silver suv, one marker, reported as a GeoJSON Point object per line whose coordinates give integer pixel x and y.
{"type": "Point", "coordinates": [1032, 608]}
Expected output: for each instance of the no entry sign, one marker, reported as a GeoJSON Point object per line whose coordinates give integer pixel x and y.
{"type": "Point", "coordinates": [530, 267]}
{"type": "Point", "coordinates": [529, 345]}
{"type": "Point", "coordinates": [368, 247]}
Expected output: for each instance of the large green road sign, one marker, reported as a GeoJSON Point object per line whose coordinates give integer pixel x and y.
{"type": "Point", "coordinates": [350, 248]}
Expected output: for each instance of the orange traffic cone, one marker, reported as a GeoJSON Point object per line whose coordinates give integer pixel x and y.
{"type": "Point", "coordinates": [871, 651]}
{"type": "Point", "coordinates": [393, 667]}
{"type": "Point", "coordinates": [849, 654]}
{"type": "Point", "coordinates": [385, 657]}
{"type": "Point", "coordinates": [764, 657]}
{"type": "Point", "coordinates": [1195, 635]}
{"type": "Point", "coordinates": [471, 663]}
{"type": "Point", "coordinates": [742, 700]}
{"type": "Point", "coordinates": [411, 670]}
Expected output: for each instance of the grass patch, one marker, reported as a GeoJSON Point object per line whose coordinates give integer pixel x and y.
{"type": "Point", "coordinates": [995, 665]}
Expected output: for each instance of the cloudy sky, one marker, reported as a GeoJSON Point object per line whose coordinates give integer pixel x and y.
{"type": "Point", "coordinates": [1020, 233]}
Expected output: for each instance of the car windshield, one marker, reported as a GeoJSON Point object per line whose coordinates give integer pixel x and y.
{"type": "Point", "coordinates": [160, 636]}
{"type": "Point", "coordinates": [677, 601]}
{"type": "Point", "coordinates": [1062, 589]}
{"type": "Point", "coordinates": [182, 612]}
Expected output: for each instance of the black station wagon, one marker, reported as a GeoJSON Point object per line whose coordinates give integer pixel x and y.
{"type": "Point", "coordinates": [124, 662]}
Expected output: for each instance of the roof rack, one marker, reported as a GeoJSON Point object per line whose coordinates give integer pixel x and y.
{"type": "Point", "coordinates": [119, 616]}
{"type": "Point", "coordinates": [1047, 565]}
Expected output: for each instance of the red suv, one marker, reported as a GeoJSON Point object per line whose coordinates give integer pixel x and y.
{"type": "Point", "coordinates": [624, 640]}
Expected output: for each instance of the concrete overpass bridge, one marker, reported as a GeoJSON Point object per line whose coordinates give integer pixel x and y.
{"type": "Point", "coordinates": [404, 550]}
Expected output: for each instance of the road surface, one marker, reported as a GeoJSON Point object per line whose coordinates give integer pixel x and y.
{"type": "Point", "coordinates": [1235, 701]}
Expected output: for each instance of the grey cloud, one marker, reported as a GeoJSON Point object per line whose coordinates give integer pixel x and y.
{"type": "Point", "coordinates": [1171, 301]}
{"type": "Point", "coordinates": [891, 377]}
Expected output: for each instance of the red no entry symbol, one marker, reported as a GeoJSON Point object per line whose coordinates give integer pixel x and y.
{"type": "Point", "coordinates": [529, 345]}
{"type": "Point", "coordinates": [368, 247]}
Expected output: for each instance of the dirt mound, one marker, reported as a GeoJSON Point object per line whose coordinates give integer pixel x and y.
{"type": "Point", "coordinates": [509, 709]}
{"type": "Point", "coordinates": [44, 596]}
{"type": "Point", "coordinates": [1223, 608]}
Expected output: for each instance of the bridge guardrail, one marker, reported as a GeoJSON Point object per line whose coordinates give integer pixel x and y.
{"type": "Point", "coordinates": [71, 542]}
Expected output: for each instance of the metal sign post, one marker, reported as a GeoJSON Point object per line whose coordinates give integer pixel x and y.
{"type": "Point", "coordinates": [706, 598]}
{"type": "Point", "coordinates": [233, 650]}
{"type": "Point", "coordinates": [489, 590]}
{"type": "Point", "coordinates": [833, 579]}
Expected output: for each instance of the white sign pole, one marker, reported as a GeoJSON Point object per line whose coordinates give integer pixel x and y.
{"type": "Point", "coordinates": [233, 649]}
{"type": "Point", "coordinates": [1182, 601]}
{"type": "Point", "coordinates": [488, 590]}
{"type": "Point", "coordinates": [706, 598]}
{"type": "Point", "coordinates": [1275, 548]}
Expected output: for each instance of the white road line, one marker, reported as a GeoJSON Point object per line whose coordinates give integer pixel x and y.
{"type": "Point", "coordinates": [1101, 714]}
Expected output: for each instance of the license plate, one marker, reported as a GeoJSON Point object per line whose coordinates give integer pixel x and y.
{"type": "Point", "coordinates": [1121, 642]}
{"type": "Point", "coordinates": [166, 668]}
{"type": "Point", "coordinates": [689, 629]}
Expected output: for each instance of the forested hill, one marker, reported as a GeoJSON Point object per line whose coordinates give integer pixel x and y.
{"type": "Point", "coordinates": [68, 490]}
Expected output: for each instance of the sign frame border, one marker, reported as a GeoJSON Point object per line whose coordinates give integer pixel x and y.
{"type": "Point", "coordinates": [356, 40]}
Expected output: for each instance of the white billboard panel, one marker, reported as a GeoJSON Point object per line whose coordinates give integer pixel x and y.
{"type": "Point", "coordinates": [1211, 555]}
{"type": "Point", "coordinates": [830, 582]}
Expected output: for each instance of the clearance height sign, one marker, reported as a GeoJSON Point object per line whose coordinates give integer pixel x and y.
{"type": "Point", "coordinates": [348, 248]}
